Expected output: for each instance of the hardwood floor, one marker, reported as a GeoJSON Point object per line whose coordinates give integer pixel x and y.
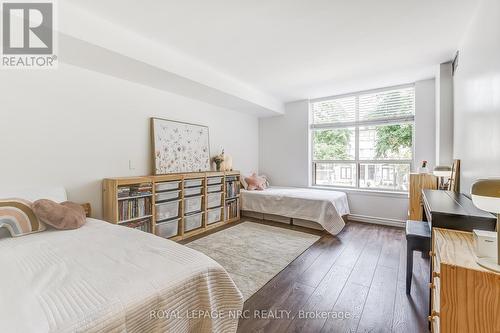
{"type": "Point", "coordinates": [354, 282]}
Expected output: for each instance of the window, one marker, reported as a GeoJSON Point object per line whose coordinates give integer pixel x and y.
{"type": "Point", "coordinates": [364, 140]}
{"type": "Point", "coordinates": [345, 173]}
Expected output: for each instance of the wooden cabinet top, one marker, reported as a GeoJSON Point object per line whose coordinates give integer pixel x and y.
{"type": "Point", "coordinates": [172, 176]}
{"type": "Point", "coordinates": [456, 248]}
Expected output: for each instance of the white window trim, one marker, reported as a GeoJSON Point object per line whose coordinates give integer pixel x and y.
{"type": "Point", "coordinates": [362, 191]}
{"type": "Point", "coordinates": [357, 124]}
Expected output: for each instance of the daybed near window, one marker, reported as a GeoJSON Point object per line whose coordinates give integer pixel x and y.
{"type": "Point", "coordinates": [322, 207]}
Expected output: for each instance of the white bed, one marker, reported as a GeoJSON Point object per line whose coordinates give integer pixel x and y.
{"type": "Point", "coordinates": [320, 206]}
{"type": "Point", "coordinates": [108, 278]}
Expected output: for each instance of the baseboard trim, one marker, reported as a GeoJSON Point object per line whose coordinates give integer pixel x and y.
{"type": "Point", "coordinates": [377, 220]}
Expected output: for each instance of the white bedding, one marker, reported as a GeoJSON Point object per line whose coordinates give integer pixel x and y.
{"type": "Point", "coordinates": [323, 207]}
{"type": "Point", "coordinates": [107, 278]}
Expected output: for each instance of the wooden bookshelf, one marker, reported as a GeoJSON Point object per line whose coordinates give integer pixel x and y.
{"type": "Point", "coordinates": [111, 200]}
{"type": "Point", "coordinates": [232, 196]}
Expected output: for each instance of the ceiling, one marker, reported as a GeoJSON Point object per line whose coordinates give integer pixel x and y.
{"type": "Point", "coordinates": [300, 49]}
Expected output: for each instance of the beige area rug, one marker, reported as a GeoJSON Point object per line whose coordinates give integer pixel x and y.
{"type": "Point", "coordinates": [253, 253]}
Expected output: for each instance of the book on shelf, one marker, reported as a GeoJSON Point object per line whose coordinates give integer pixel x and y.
{"type": "Point", "coordinates": [123, 191]}
{"type": "Point", "coordinates": [143, 225]}
{"type": "Point", "coordinates": [232, 189]}
{"type": "Point", "coordinates": [231, 209]}
{"type": "Point", "coordinates": [134, 208]}
{"type": "Point", "coordinates": [135, 190]}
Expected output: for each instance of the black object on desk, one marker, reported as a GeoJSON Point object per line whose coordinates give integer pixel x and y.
{"type": "Point", "coordinates": [452, 210]}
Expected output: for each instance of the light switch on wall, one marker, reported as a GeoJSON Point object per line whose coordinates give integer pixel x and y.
{"type": "Point", "coordinates": [131, 165]}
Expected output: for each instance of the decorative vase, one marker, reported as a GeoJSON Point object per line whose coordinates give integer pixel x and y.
{"type": "Point", "coordinates": [423, 170]}
{"type": "Point", "coordinates": [228, 163]}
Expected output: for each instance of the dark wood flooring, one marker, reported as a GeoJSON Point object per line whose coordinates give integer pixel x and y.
{"type": "Point", "coordinates": [354, 282]}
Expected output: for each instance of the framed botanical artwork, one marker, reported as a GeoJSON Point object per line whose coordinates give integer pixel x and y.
{"type": "Point", "coordinates": [179, 147]}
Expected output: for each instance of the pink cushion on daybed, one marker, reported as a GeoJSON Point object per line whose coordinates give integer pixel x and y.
{"type": "Point", "coordinates": [255, 182]}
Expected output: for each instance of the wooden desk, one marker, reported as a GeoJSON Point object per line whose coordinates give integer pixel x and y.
{"type": "Point", "coordinates": [464, 296]}
{"type": "Point", "coordinates": [452, 210]}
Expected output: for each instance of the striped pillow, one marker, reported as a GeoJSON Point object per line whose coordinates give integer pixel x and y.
{"type": "Point", "coordinates": [17, 216]}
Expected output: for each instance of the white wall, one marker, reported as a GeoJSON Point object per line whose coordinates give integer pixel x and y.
{"type": "Point", "coordinates": [284, 146]}
{"type": "Point", "coordinates": [477, 97]}
{"type": "Point", "coordinates": [74, 127]}
{"type": "Point", "coordinates": [285, 158]}
{"type": "Point", "coordinates": [444, 115]}
{"type": "Point", "coordinates": [425, 124]}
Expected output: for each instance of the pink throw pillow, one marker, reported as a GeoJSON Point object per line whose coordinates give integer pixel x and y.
{"type": "Point", "coordinates": [255, 182]}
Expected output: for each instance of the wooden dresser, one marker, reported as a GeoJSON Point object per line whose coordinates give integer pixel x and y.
{"type": "Point", "coordinates": [419, 182]}
{"type": "Point", "coordinates": [464, 296]}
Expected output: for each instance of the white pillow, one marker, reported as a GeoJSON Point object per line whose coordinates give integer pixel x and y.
{"type": "Point", "coordinates": [243, 182]}
{"type": "Point", "coordinates": [267, 180]}
{"type": "Point", "coordinates": [57, 194]}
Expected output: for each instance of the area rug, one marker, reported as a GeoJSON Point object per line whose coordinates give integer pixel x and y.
{"type": "Point", "coordinates": [253, 253]}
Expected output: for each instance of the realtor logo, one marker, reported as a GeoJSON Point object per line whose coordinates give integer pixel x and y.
{"type": "Point", "coordinates": [28, 35]}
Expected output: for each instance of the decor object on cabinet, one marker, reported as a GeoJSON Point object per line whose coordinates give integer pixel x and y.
{"type": "Point", "coordinates": [423, 168]}
{"type": "Point", "coordinates": [228, 162]}
{"type": "Point", "coordinates": [179, 147]}
{"type": "Point", "coordinates": [443, 172]}
{"type": "Point", "coordinates": [219, 160]}
{"type": "Point", "coordinates": [485, 195]}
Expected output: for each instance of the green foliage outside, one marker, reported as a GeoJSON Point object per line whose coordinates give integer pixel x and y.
{"type": "Point", "coordinates": [332, 144]}
{"type": "Point", "coordinates": [392, 141]}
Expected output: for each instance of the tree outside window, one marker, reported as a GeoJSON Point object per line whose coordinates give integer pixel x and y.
{"type": "Point", "coordinates": [371, 133]}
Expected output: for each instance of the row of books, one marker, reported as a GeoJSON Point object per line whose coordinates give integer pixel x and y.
{"type": "Point", "coordinates": [143, 225]}
{"type": "Point", "coordinates": [232, 189]}
{"type": "Point", "coordinates": [231, 209]}
{"type": "Point", "coordinates": [134, 208]}
{"type": "Point", "coordinates": [135, 190]}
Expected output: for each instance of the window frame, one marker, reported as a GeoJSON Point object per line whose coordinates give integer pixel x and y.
{"type": "Point", "coordinates": [357, 125]}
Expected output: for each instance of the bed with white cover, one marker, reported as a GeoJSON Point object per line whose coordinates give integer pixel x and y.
{"type": "Point", "coordinates": [320, 206]}
{"type": "Point", "coordinates": [108, 278]}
